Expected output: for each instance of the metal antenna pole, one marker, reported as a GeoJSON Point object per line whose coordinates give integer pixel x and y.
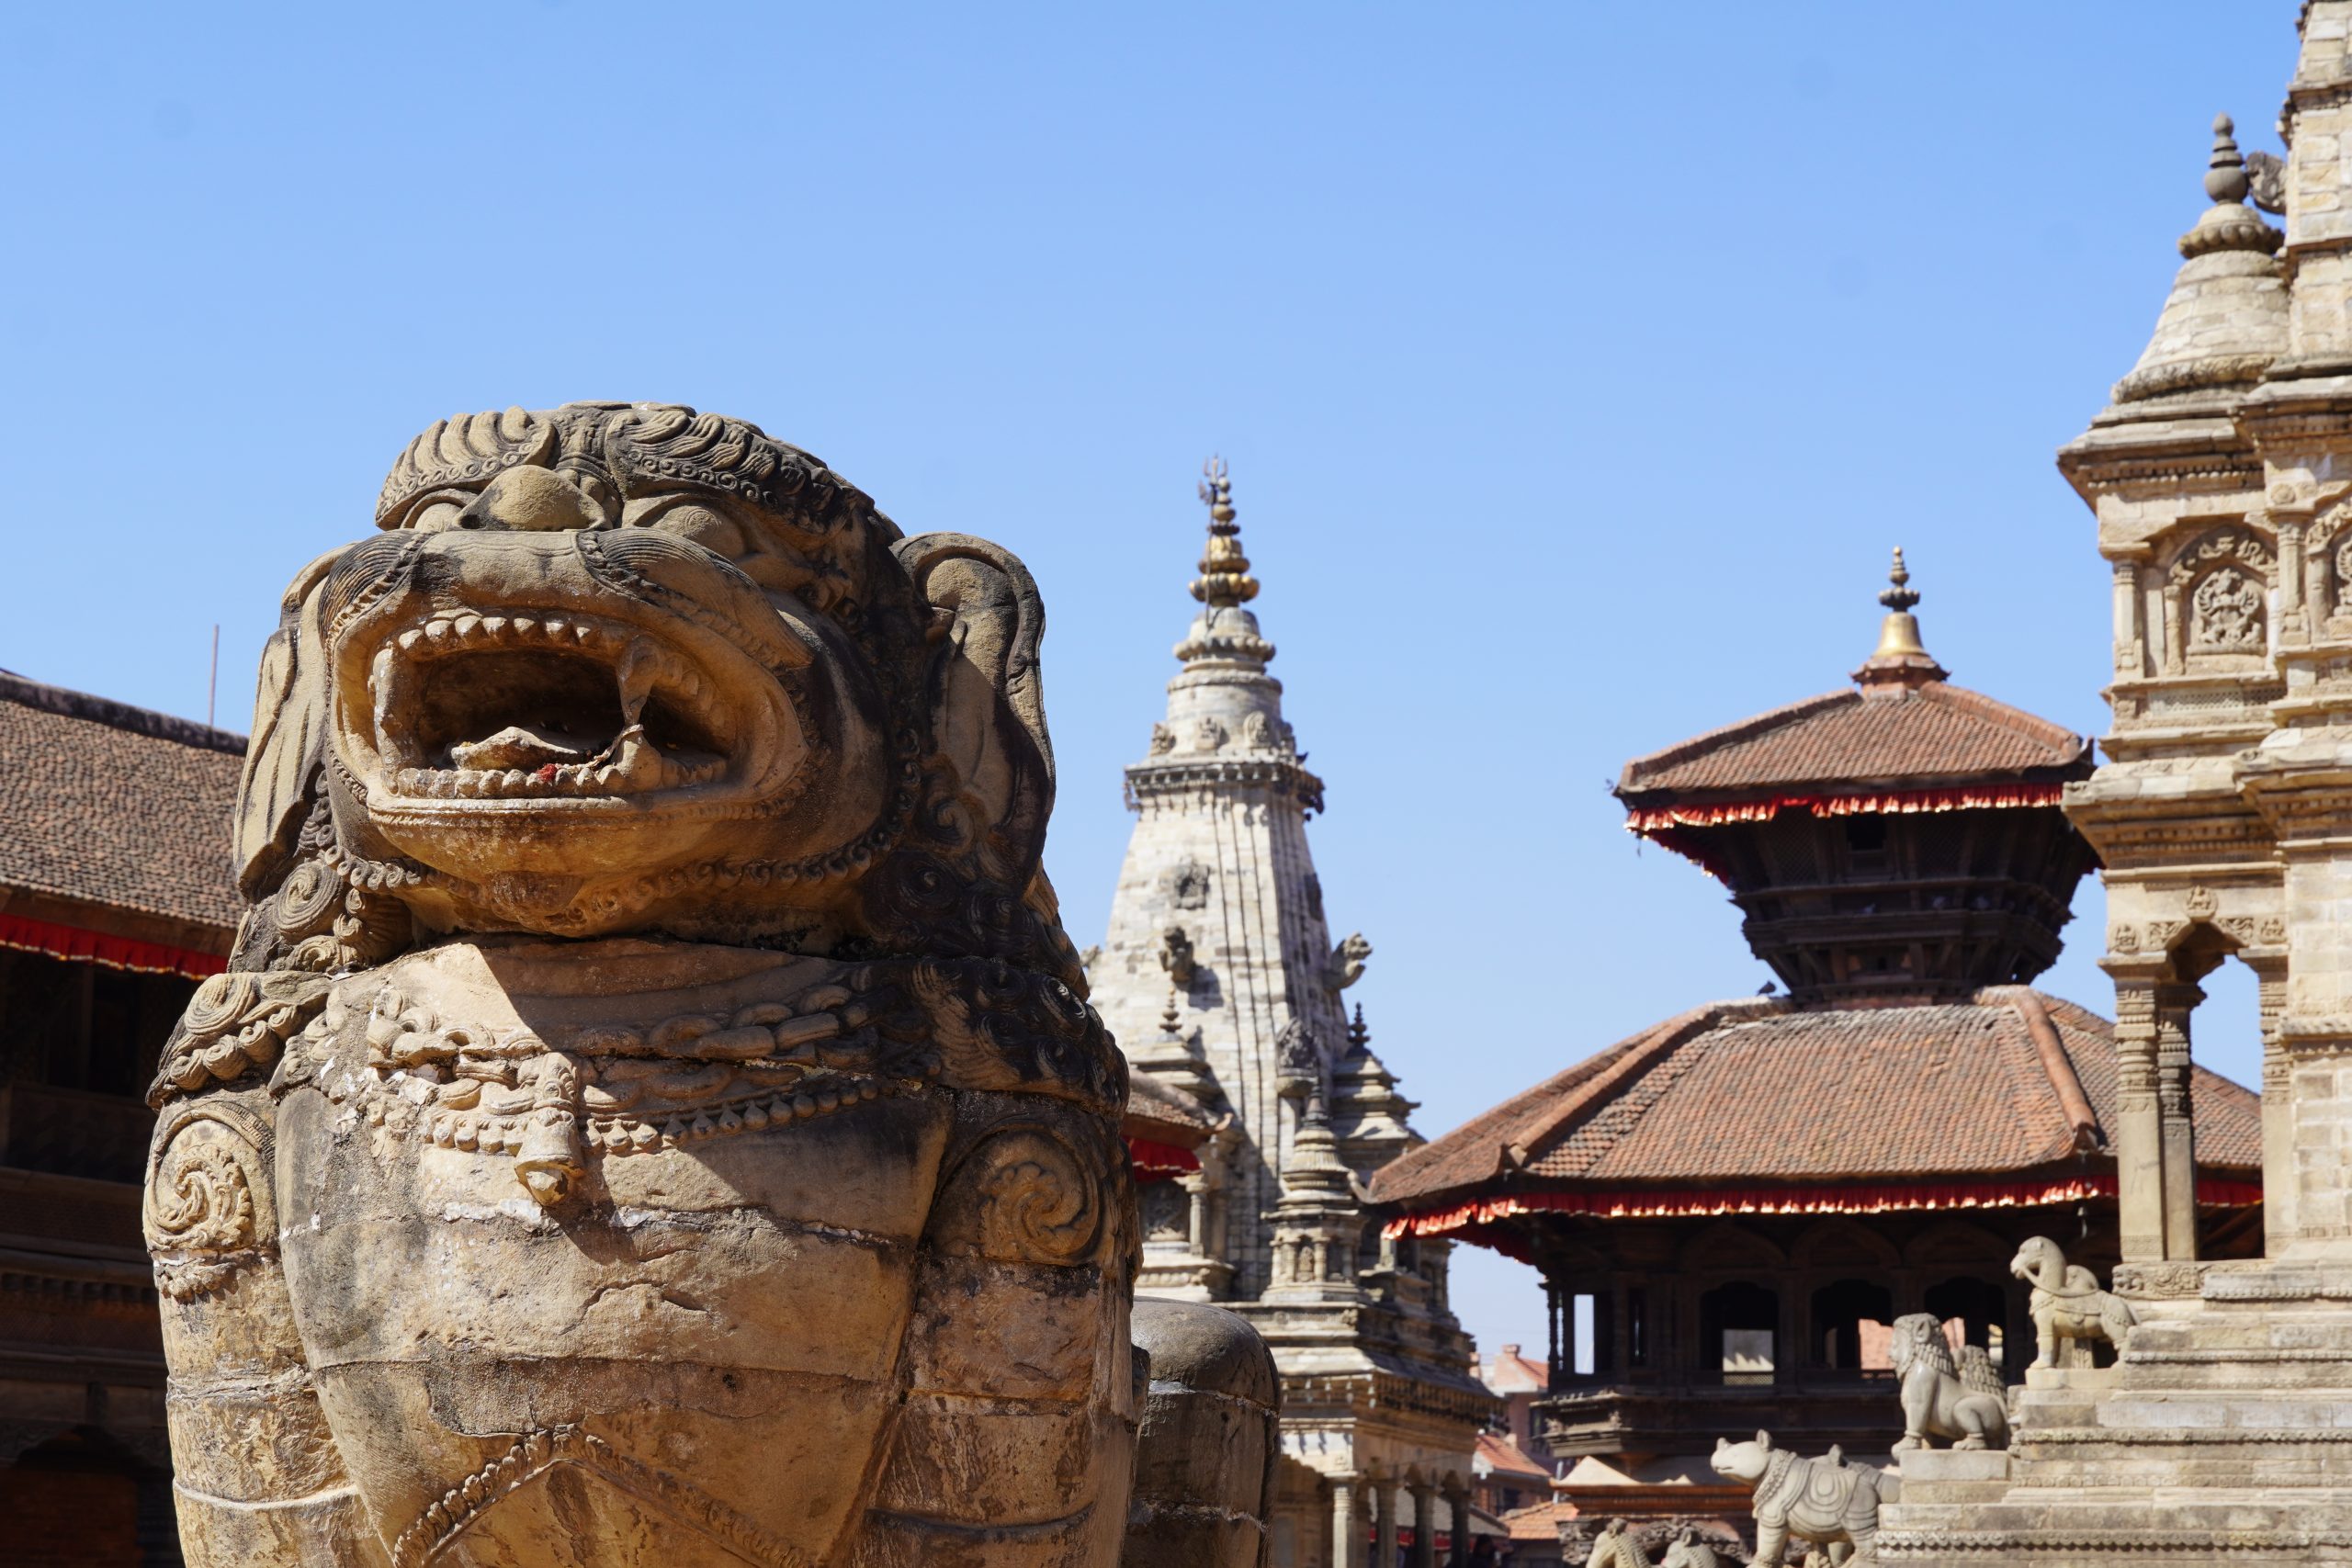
{"type": "Point", "coordinates": [212, 682]}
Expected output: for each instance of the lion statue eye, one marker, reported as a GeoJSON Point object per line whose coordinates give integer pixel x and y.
{"type": "Point", "coordinates": [705, 525]}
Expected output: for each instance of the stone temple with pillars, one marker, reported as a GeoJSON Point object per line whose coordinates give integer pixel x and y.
{"type": "Point", "coordinates": [1223, 982]}
{"type": "Point", "coordinates": [2220, 475]}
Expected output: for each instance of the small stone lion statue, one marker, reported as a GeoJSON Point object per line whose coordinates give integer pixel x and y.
{"type": "Point", "coordinates": [1617, 1547]}
{"type": "Point", "coordinates": [1964, 1404]}
{"type": "Point", "coordinates": [1691, 1549]}
{"type": "Point", "coordinates": [1825, 1501]}
{"type": "Point", "coordinates": [2067, 1300]}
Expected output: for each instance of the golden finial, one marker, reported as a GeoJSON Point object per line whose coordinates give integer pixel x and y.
{"type": "Point", "coordinates": [1900, 658]}
{"type": "Point", "coordinates": [1225, 577]}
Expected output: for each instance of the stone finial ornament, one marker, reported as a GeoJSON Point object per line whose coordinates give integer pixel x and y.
{"type": "Point", "coordinates": [1959, 1400]}
{"type": "Point", "coordinates": [1225, 577]}
{"type": "Point", "coordinates": [2067, 1302]}
{"type": "Point", "coordinates": [1825, 1501]}
{"type": "Point", "coordinates": [651, 1116]}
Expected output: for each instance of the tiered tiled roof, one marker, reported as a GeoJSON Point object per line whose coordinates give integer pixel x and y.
{"type": "Point", "coordinates": [1901, 737]}
{"type": "Point", "coordinates": [106, 804]}
{"type": "Point", "coordinates": [1758, 1104]}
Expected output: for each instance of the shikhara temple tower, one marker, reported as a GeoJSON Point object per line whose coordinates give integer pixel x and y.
{"type": "Point", "coordinates": [1220, 978]}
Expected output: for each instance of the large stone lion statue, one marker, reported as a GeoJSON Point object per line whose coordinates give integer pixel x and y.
{"type": "Point", "coordinates": [1963, 1404]}
{"type": "Point", "coordinates": [2067, 1301]}
{"type": "Point", "coordinates": [652, 1116]}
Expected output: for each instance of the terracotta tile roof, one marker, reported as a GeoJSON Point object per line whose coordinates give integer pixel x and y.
{"type": "Point", "coordinates": [114, 805]}
{"type": "Point", "coordinates": [1499, 1456]}
{"type": "Point", "coordinates": [1164, 1114]}
{"type": "Point", "coordinates": [1507, 1372]}
{"type": "Point", "coordinates": [1757, 1092]}
{"type": "Point", "coordinates": [1538, 1521]}
{"type": "Point", "coordinates": [1853, 739]}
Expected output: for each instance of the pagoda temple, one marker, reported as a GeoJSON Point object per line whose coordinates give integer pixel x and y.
{"type": "Point", "coordinates": [1260, 1112]}
{"type": "Point", "coordinates": [1731, 1208]}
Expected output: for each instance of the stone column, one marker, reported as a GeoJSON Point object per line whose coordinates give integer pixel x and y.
{"type": "Point", "coordinates": [2130, 653]}
{"type": "Point", "coordinates": [2139, 1128]}
{"type": "Point", "coordinates": [1383, 1552]}
{"type": "Point", "coordinates": [1457, 1508]}
{"type": "Point", "coordinates": [2295, 625]}
{"type": "Point", "coordinates": [2174, 1002]}
{"type": "Point", "coordinates": [1196, 1217]}
{"type": "Point", "coordinates": [1344, 1533]}
{"type": "Point", "coordinates": [2278, 1114]}
{"type": "Point", "coordinates": [1424, 1525]}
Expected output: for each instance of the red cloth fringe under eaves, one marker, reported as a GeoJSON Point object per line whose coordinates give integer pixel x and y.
{"type": "Point", "coordinates": [76, 945]}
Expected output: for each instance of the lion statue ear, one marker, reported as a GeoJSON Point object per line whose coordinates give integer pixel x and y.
{"type": "Point", "coordinates": [987, 712]}
{"type": "Point", "coordinates": [288, 737]}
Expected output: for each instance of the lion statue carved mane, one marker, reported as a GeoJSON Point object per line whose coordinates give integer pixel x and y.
{"type": "Point", "coordinates": [1959, 1400]}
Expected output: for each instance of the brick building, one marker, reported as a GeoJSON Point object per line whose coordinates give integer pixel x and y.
{"type": "Point", "coordinates": [115, 902]}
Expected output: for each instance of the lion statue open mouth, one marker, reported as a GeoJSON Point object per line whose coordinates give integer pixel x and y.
{"type": "Point", "coordinates": [651, 1115]}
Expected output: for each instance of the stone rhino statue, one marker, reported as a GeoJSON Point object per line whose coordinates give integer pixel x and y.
{"type": "Point", "coordinates": [1825, 1501]}
{"type": "Point", "coordinates": [651, 1115]}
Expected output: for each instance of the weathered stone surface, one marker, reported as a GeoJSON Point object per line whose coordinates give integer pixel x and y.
{"type": "Point", "coordinates": [1206, 1452]}
{"type": "Point", "coordinates": [650, 1117]}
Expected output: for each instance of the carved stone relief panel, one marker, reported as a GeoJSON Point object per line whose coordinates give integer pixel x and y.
{"type": "Point", "coordinates": [1187, 884]}
{"type": "Point", "coordinates": [2226, 612]}
{"type": "Point", "coordinates": [2217, 600]}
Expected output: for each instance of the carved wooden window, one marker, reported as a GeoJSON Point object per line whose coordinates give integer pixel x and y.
{"type": "Point", "coordinates": [1739, 1324]}
{"type": "Point", "coordinates": [1850, 1326]}
{"type": "Point", "coordinates": [1974, 1312]}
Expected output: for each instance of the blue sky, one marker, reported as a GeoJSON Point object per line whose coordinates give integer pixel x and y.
{"type": "Point", "coordinates": [1577, 364]}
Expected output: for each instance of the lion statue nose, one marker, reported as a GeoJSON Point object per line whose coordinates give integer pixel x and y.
{"type": "Point", "coordinates": [537, 500]}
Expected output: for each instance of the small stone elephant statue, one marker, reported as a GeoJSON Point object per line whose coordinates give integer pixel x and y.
{"type": "Point", "coordinates": [1825, 1501]}
{"type": "Point", "coordinates": [2067, 1301]}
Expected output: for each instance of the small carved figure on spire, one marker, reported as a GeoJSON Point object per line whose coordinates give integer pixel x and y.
{"type": "Point", "coordinates": [1176, 955]}
{"type": "Point", "coordinates": [1900, 660]}
{"type": "Point", "coordinates": [1225, 571]}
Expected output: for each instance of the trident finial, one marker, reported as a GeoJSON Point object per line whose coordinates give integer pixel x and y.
{"type": "Point", "coordinates": [1216, 494]}
{"type": "Point", "coordinates": [1225, 577]}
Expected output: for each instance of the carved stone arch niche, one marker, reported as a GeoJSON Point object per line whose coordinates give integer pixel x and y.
{"type": "Point", "coordinates": [2217, 600]}
{"type": "Point", "coordinates": [2327, 563]}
